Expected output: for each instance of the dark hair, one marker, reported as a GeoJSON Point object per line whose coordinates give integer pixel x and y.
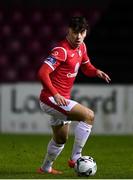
{"type": "Point", "coordinates": [78, 23]}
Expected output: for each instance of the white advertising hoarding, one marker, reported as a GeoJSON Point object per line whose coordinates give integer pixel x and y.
{"type": "Point", "coordinates": [21, 111]}
{"type": "Point", "coordinates": [112, 104]}
{"type": "Point", "coordinates": [107, 103]}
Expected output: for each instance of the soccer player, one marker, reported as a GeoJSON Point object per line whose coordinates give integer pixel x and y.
{"type": "Point", "coordinates": [57, 75]}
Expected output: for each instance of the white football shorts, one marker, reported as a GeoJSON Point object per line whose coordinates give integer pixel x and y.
{"type": "Point", "coordinates": [57, 113]}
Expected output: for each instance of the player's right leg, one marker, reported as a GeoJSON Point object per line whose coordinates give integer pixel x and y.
{"type": "Point", "coordinates": [55, 147]}
{"type": "Point", "coordinates": [60, 127]}
{"type": "Point", "coordinates": [85, 116]}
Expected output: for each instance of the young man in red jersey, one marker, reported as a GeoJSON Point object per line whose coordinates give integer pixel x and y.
{"type": "Point", "coordinates": [57, 75]}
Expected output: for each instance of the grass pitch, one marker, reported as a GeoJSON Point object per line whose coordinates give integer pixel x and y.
{"type": "Point", "coordinates": [21, 155]}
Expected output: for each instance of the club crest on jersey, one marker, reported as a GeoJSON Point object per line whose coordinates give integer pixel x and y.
{"type": "Point", "coordinates": [51, 59]}
{"type": "Point", "coordinates": [55, 53]}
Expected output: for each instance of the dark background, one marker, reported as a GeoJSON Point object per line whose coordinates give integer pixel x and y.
{"type": "Point", "coordinates": [29, 29]}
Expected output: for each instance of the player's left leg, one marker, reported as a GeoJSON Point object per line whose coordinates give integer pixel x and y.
{"type": "Point", "coordinates": [55, 146]}
{"type": "Point", "coordinates": [85, 116]}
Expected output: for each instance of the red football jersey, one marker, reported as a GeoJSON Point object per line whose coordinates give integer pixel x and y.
{"type": "Point", "coordinates": [65, 62]}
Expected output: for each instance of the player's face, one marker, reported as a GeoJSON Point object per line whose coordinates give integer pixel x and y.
{"type": "Point", "coordinates": [76, 38]}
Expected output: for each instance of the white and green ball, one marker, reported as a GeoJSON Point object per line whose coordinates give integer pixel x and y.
{"type": "Point", "coordinates": [85, 166]}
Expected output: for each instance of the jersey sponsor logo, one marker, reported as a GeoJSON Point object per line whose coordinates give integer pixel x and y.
{"type": "Point", "coordinates": [51, 60]}
{"type": "Point", "coordinates": [71, 75]}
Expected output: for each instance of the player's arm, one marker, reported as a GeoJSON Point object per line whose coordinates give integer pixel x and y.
{"type": "Point", "coordinates": [50, 64]}
{"type": "Point", "coordinates": [91, 71]}
{"type": "Point", "coordinates": [103, 75]}
{"type": "Point", "coordinates": [44, 76]}
{"type": "Point", "coordinates": [88, 69]}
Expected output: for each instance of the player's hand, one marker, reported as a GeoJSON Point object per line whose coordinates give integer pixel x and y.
{"type": "Point", "coordinates": [60, 100]}
{"type": "Point", "coordinates": [103, 75]}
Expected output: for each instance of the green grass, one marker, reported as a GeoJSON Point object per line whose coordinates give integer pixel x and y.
{"type": "Point", "coordinates": [21, 155]}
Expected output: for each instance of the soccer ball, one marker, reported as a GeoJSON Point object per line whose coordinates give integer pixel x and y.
{"type": "Point", "coordinates": [85, 166]}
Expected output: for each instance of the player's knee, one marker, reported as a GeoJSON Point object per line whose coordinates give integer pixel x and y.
{"type": "Point", "coordinates": [90, 117]}
{"type": "Point", "coordinates": [61, 140]}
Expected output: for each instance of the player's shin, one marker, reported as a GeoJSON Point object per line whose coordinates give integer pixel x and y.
{"type": "Point", "coordinates": [82, 132]}
{"type": "Point", "coordinates": [53, 152]}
